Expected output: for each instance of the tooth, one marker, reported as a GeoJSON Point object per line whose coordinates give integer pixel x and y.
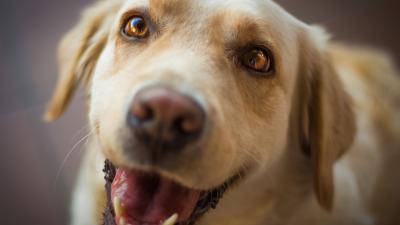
{"type": "Point", "coordinates": [118, 209]}
{"type": "Point", "coordinates": [122, 221]}
{"type": "Point", "coordinates": [172, 220]}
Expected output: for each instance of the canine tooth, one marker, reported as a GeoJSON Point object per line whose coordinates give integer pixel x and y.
{"type": "Point", "coordinates": [118, 209]}
{"type": "Point", "coordinates": [122, 221]}
{"type": "Point", "coordinates": [172, 220]}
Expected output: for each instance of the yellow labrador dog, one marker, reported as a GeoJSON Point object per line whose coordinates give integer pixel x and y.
{"type": "Point", "coordinates": [193, 99]}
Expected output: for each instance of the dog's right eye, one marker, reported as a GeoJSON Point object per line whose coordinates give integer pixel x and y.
{"type": "Point", "coordinates": [136, 27]}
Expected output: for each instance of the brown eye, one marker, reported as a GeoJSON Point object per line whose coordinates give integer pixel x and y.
{"type": "Point", "coordinates": [136, 27]}
{"type": "Point", "coordinates": [258, 60]}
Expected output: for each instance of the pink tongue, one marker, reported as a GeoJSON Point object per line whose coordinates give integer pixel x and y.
{"type": "Point", "coordinates": [150, 199]}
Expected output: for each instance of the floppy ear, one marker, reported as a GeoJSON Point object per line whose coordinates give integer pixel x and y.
{"type": "Point", "coordinates": [328, 121]}
{"type": "Point", "coordinates": [78, 53]}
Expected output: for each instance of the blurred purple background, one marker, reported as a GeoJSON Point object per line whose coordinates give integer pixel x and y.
{"type": "Point", "coordinates": [32, 151]}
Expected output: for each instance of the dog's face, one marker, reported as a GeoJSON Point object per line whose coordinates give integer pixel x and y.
{"type": "Point", "coordinates": [209, 52]}
{"type": "Point", "coordinates": [201, 91]}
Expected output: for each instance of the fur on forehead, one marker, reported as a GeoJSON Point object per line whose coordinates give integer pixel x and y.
{"type": "Point", "coordinates": [265, 9]}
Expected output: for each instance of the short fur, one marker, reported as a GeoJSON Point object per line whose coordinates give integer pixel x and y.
{"type": "Point", "coordinates": [319, 140]}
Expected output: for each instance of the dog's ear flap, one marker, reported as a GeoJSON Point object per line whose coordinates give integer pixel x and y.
{"type": "Point", "coordinates": [78, 53]}
{"type": "Point", "coordinates": [328, 120]}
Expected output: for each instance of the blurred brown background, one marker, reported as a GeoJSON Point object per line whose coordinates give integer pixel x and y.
{"type": "Point", "coordinates": [32, 151]}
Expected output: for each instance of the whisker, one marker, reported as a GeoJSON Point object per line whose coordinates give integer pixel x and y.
{"type": "Point", "coordinates": [80, 131]}
{"type": "Point", "coordinates": [68, 155]}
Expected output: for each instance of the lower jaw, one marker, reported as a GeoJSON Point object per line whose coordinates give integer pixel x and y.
{"type": "Point", "coordinates": [207, 200]}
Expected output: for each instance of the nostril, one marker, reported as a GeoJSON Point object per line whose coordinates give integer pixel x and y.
{"type": "Point", "coordinates": [141, 112]}
{"type": "Point", "coordinates": [189, 125]}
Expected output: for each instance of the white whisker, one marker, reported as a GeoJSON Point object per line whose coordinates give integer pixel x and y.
{"type": "Point", "coordinates": [67, 156]}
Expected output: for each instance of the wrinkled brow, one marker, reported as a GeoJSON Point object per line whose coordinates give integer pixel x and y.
{"type": "Point", "coordinates": [159, 8]}
{"type": "Point", "coordinates": [233, 27]}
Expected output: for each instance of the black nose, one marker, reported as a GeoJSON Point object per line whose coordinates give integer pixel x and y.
{"type": "Point", "coordinates": [164, 119]}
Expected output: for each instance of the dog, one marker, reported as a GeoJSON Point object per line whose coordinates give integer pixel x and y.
{"type": "Point", "coordinates": [193, 99]}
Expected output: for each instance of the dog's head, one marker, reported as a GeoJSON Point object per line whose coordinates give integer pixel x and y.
{"type": "Point", "coordinates": [202, 91]}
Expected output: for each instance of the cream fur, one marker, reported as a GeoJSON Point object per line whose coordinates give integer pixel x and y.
{"type": "Point", "coordinates": [338, 102]}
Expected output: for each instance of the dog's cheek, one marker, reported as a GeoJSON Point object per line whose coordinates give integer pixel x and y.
{"type": "Point", "coordinates": [106, 116]}
{"type": "Point", "coordinates": [214, 165]}
{"type": "Point", "coordinates": [106, 106]}
{"type": "Point", "coordinates": [260, 129]}
{"type": "Point", "coordinates": [99, 91]}
{"type": "Point", "coordinates": [221, 155]}
{"type": "Point", "coordinates": [271, 128]}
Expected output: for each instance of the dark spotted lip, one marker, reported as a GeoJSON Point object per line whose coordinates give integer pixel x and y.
{"type": "Point", "coordinates": [208, 200]}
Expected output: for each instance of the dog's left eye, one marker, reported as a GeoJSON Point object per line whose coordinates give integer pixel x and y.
{"type": "Point", "coordinates": [136, 27]}
{"type": "Point", "coordinates": [257, 59]}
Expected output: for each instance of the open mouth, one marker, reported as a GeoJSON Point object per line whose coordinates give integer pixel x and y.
{"type": "Point", "coordinates": [141, 198]}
